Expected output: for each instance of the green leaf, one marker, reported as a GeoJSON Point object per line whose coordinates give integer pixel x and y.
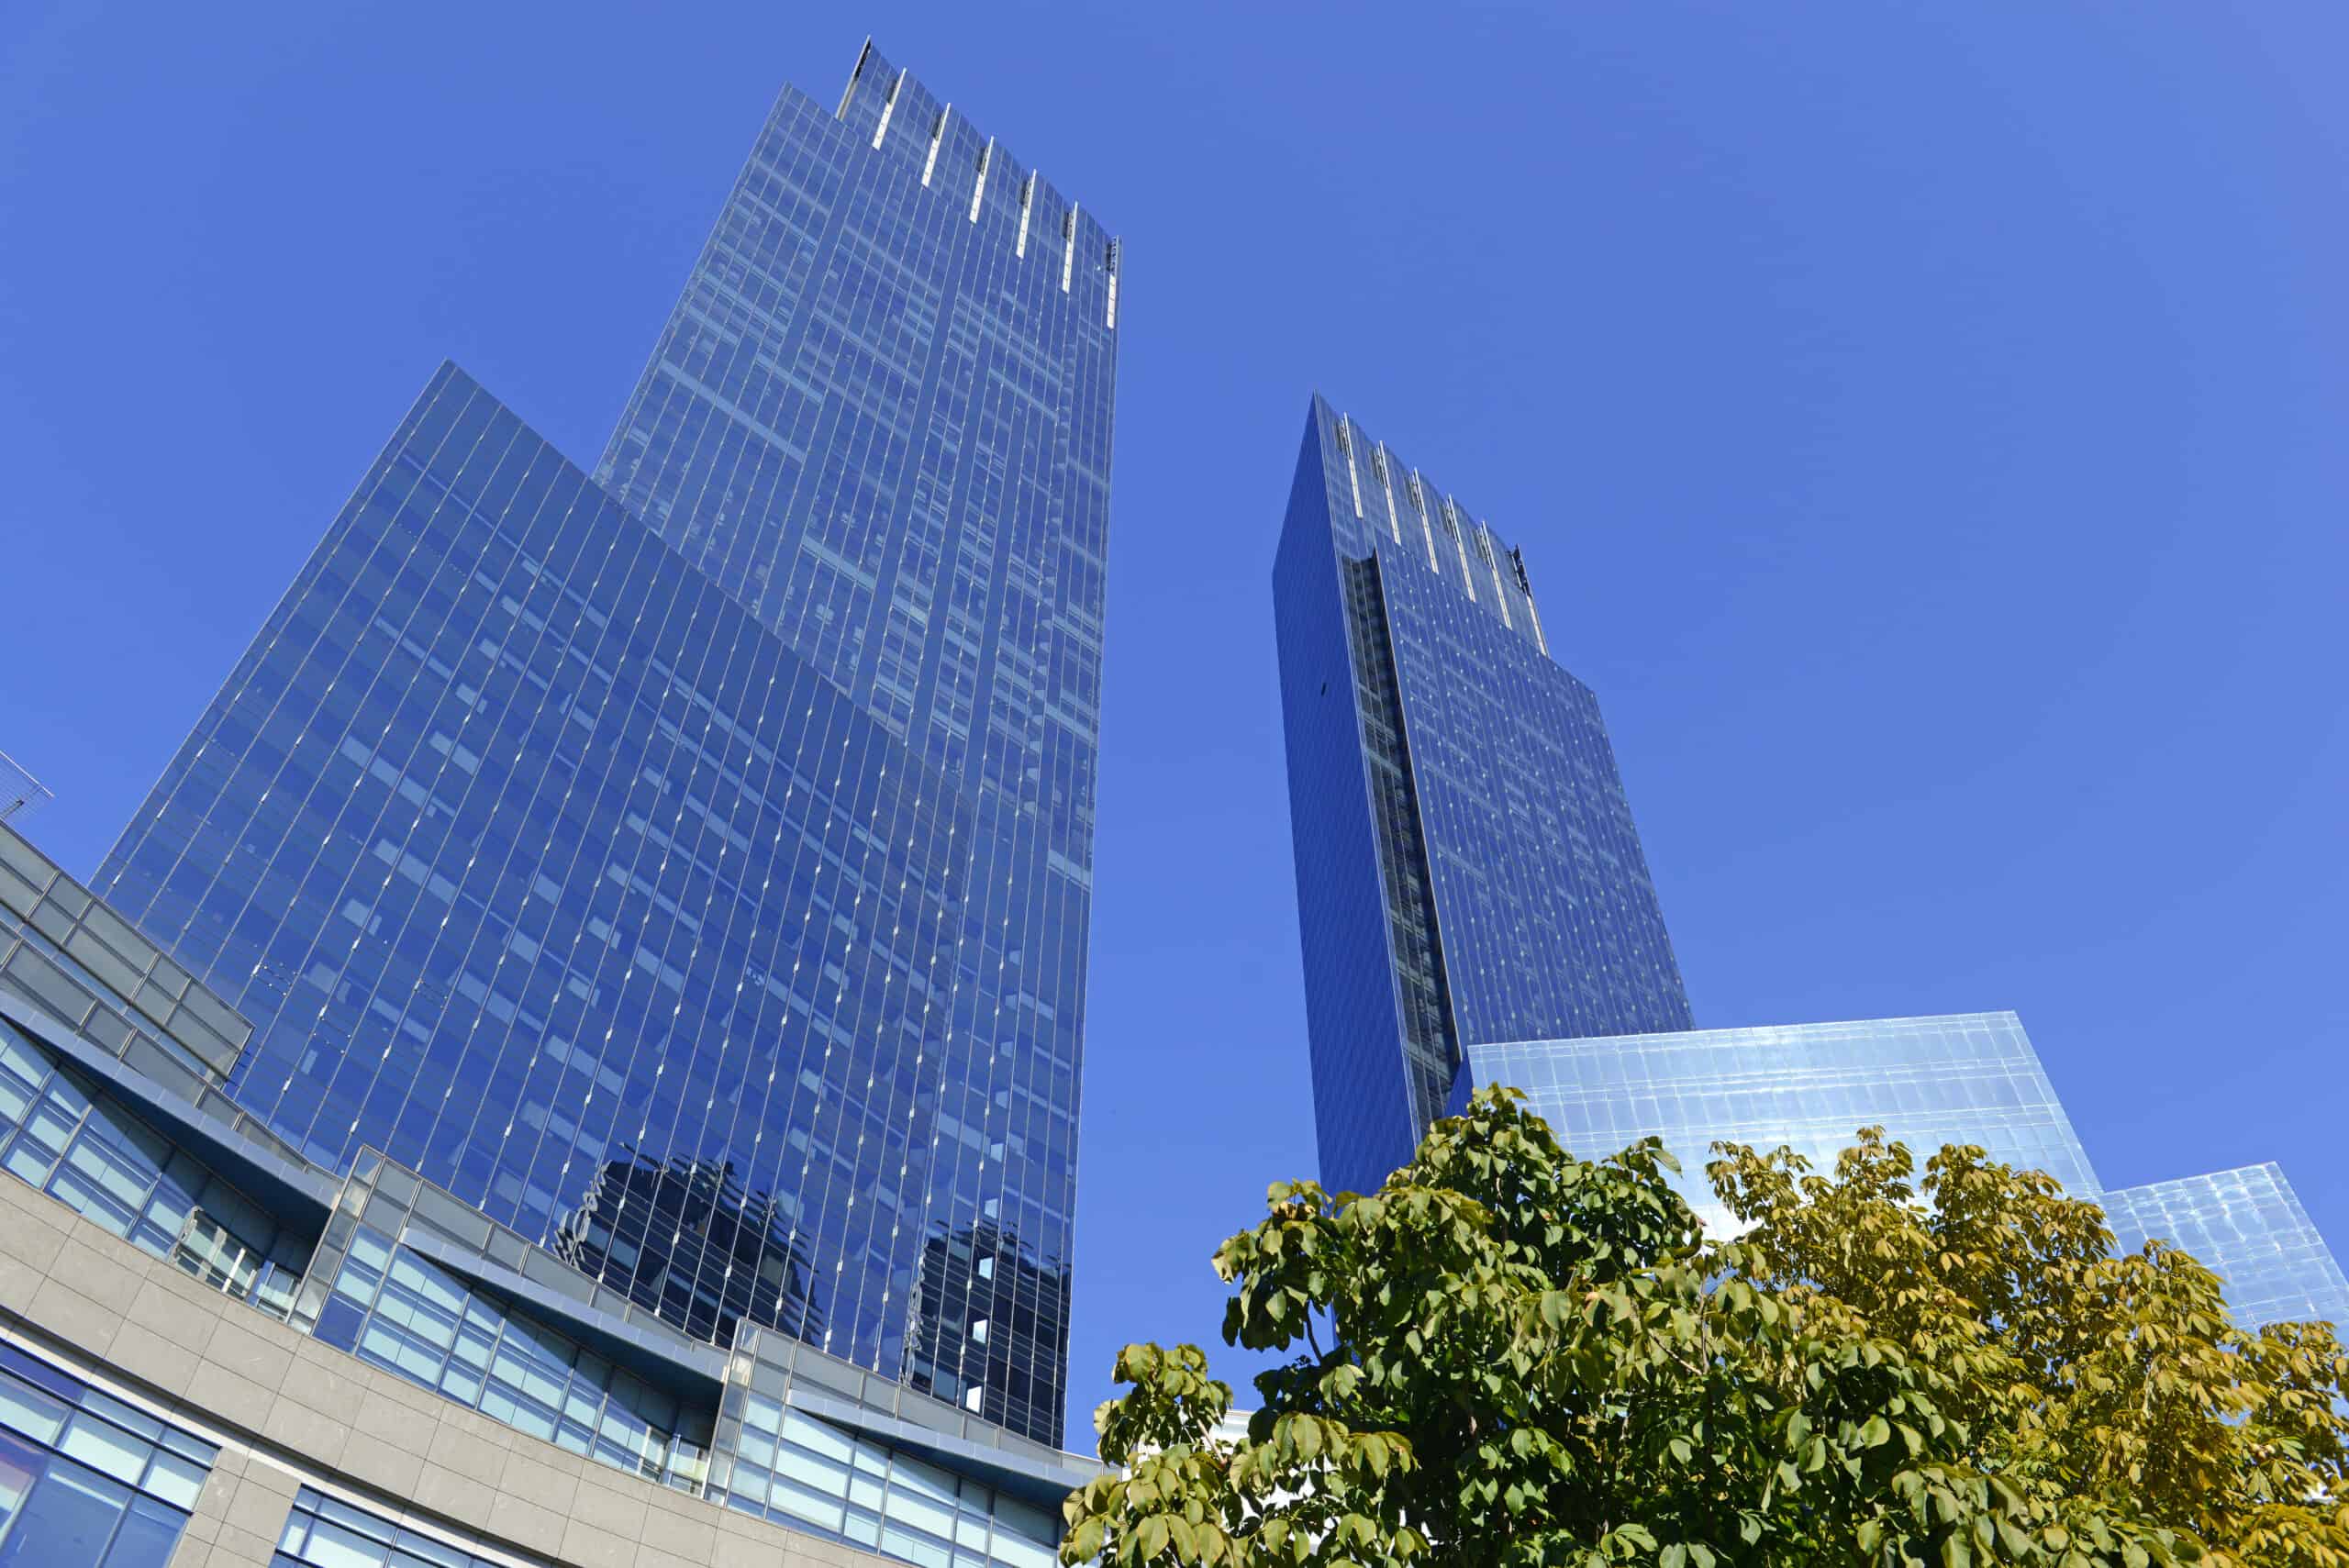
{"type": "Point", "coordinates": [1561, 1348]}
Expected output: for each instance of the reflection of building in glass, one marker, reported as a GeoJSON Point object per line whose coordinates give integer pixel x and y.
{"type": "Point", "coordinates": [1467, 869]}
{"type": "Point", "coordinates": [2248, 1226]}
{"type": "Point", "coordinates": [735, 803]}
{"type": "Point", "coordinates": [153, 1232]}
{"type": "Point", "coordinates": [21, 795]}
{"type": "Point", "coordinates": [984, 1305]}
{"type": "Point", "coordinates": [683, 1238]}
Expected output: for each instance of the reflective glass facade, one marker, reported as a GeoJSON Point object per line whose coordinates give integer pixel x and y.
{"type": "Point", "coordinates": [724, 848]}
{"type": "Point", "coordinates": [799, 1471]}
{"type": "Point", "coordinates": [2249, 1228]}
{"type": "Point", "coordinates": [880, 415]}
{"type": "Point", "coordinates": [1467, 867]}
{"type": "Point", "coordinates": [85, 1480]}
{"type": "Point", "coordinates": [1965, 1078]}
{"type": "Point", "coordinates": [100, 1116]}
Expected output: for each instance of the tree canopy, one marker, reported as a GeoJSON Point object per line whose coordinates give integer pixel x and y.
{"type": "Point", "coordinates": [1508, 1355]}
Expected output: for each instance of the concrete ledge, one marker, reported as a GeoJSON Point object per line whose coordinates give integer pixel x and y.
{"type": "Point", "coordinates": [290, 1411]}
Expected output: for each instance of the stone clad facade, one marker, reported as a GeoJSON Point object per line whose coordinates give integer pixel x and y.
{"type": "Point", "coordinates": [289, 1412]}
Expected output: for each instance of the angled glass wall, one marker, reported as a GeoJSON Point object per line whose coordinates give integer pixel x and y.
{"type": "Point", "coordinates": [771, 824]}
{"type": "Point", "coordinates": [523, 845]}
{"type": "Point", "coordinates": [880, 417]}
{"type": "Point", "coordinates": [1962, 1078]}
{"type": "Point", "coordinates": [398, 1272]}
{"type": "Point", "coordinates": [62, 1133]}
{"type": "Point", "coordinates": [2248, 1226]}
{"type": "Point", "coordinates": [393, 1309]}
{"type": "Point", "coordinates": [327, 1533]}
{"type": "Point", "coordinates": [797, 1470]}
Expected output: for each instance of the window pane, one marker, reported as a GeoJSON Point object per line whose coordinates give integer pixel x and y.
{"type": "Point", "coordinates": [915, 1548]}
{"type": "Point", "coordinates": [824, 1474]}
{"type": "Point", "coordinates": [803, 1503]}
{"type": "Point", "coordinates": [176, 1480]}
{"type": "Point", "coordinates": [146, 1536]}
{"type": "Point", "coordinates": [334, 1546]}
{"type": "Point", "coordinates": [105, 1448]}
{"type": "Point", "coordinates": [69, 1518]}
{"type": "Point", "coordinates": [21, 1470]}
{"type": "Point", "coordinates": [30, 1411]}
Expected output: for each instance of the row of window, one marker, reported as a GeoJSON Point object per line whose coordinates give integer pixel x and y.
{"type": "Point", "coordinates": [789, 1466]}
{"type": "Point", "coordinates": [324, 1532]}
{"type": "Point", "coordinates": [88, 1482]}
{"type": "Point", "coordinates": [85, 1480]}
{"type": "Point", "coordinates": [391, 1307]}
{"type": "Point", "coordinates": [59, 1133]}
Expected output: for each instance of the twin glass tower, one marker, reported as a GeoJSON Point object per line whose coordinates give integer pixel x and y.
{"type": "Point", "coordinates": [689, 863]}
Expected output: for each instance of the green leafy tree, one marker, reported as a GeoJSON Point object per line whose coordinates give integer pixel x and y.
{"type": "Point", "coordinates": [1511, 1356]}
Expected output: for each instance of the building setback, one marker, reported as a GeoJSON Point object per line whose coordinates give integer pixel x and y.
{"type": "Point", "coordinates": [571, 840]}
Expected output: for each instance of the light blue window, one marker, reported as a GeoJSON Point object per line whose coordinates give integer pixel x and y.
{"type": "Point", "coordinates": [325, 1532]}
{"type": "Point", "coordinates": [85, 1480]}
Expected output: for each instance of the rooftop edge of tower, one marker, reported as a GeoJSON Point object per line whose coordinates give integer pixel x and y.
{"type": "Point", "coordinates": [886, 105]}
{"type": "Point", "coordinates": [1385, 491]}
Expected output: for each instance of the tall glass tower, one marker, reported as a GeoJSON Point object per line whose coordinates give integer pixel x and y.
{"type": "Point", "coordinates": [691, 865]}
{"type": "Point", "coordinates": [1476, 910]}
{"type": "Point", "coordinates": [1467, 869]}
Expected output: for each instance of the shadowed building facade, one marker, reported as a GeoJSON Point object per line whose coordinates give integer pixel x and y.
{"type": "Point", "coordinates": [738, 815]}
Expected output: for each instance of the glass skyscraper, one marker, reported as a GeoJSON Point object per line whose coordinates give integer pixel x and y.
{"type": "Point", "coordinates": [690, 865]}
{"type": "Point", "coordinates": [1475, 910]}
{"type": "Point", "coordinates": [1467, 869]}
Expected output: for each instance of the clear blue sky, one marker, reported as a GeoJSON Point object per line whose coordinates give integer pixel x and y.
{"type": "Point", "coordinates": [1924, 424]}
